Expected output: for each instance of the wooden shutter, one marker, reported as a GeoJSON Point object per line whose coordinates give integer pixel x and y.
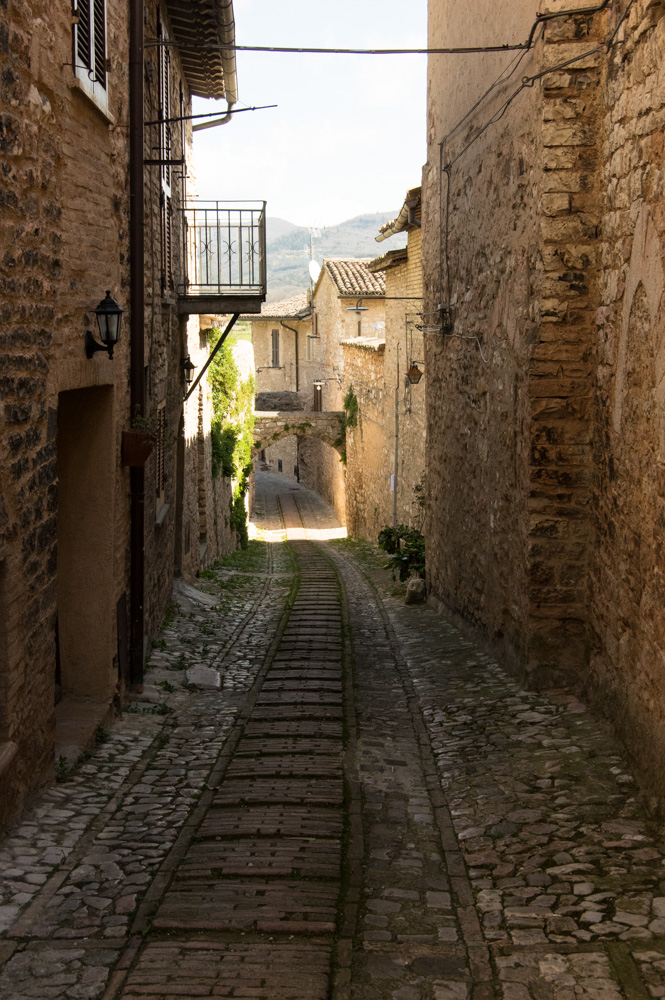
{"type": "Point", "coordinates": [91, 39]}
{"type": "Point", "coordinates": [160, 458]}
{"type": "Point", "coordinates": [99, 42]}
{"type": "Point", "coordinates": [164, 100]}
{"type": "Point", "coordinates": [275, 348]}
{"type": "Point", "coordinates": [167, 243]}
{"type": "Point", "coordinates": [83, 34]}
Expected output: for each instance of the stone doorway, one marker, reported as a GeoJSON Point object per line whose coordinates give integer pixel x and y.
{"type": "Point", "coordinates": [85, 577]}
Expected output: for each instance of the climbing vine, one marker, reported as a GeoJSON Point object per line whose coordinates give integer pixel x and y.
{"type": "Point", "coordinates": [231, 430]}
{"type": "Point", "coordinates": [350, 419]}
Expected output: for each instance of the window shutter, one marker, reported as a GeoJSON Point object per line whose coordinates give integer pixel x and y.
{"type": "Point", "coordinates": [160, 463]}
{"type": "Point", "coordinates": [164, 105]}
{"type": "Point", "coordinates": [90, 35]}
{"type": "Point", "coordinates": [275, 348]}
{"type": "Point", "coordinates": [99, 38]}
{"type": "Point", "coordinates": [83, 51]}
{"type": "Point", "coordinates": [167, 244]}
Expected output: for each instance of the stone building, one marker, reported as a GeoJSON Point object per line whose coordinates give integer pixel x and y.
{"type": "Point", "coordinates": [386, 448]}
{"type": "Point", "coordinates": [298, 347]}
{"type": "Point", "coordinates": [84, 580]}
{"type": "Point", "coordinates": [348, 302]}
{"type": "Point", "coordinates": [543, 225]}
{"type": "Point", "coordinates": [284, 367]}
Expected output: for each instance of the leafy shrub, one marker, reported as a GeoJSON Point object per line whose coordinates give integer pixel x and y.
{"type": "Point", "coordinates": [223, 440]}
{"type": "Point", "coordinates": [406, 548]}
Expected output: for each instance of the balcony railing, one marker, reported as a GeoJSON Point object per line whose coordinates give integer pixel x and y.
{"type": "Point", "coordinates": [225, 251]}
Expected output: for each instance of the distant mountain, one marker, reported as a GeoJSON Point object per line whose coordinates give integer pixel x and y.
{"type": "Point", "coordinates": [278, 227]}
{"type": "Point", "coordinates": [287, 261]}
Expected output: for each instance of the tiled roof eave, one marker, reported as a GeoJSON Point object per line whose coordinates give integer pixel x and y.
{"type": "Point", "coordinates": [196, 26]}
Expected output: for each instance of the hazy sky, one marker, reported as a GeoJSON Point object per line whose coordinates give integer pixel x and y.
{"type": "Point", "coordinates": [349, 134]}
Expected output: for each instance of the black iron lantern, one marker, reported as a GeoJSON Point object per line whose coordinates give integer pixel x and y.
{"type": "Point", "coordinates": [414, 374]}
{"type": "Point", "coordinates": [188, 368]}
{"type": "Point", "coordinates": [109, 315]}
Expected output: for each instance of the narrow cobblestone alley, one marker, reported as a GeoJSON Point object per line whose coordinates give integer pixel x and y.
{"type": "Point", "coordinates": [324, 793]}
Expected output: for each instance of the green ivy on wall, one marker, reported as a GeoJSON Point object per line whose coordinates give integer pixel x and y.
{"type": "Point", "coordinates": [350, 419]}
{"type": "Point", "coordinates": [232, 429]}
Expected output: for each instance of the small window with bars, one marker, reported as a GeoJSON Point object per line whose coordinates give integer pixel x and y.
{"type": "Point", "coordinates": [160, 455]}
{"type": "Point", "coordinates": [275, 349]}
{"type": "Point", "coordinates": [90, 60]}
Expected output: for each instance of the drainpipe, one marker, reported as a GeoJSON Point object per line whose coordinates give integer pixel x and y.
{"type": "Point", "coordinates": [293, 330]}
{"type": "Point", "coordinates": [215, 121]}
{"type": "Point", "coordinates": [137, 361]}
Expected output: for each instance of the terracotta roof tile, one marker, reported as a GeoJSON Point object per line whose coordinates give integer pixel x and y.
{"type": "Point", "coordinates": [353, 277]}
{"type": "Point", "coordinates": [282, 310]}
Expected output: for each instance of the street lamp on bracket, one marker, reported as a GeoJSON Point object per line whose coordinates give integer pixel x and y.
{"type": "Point", "coordinates": [109, 315]}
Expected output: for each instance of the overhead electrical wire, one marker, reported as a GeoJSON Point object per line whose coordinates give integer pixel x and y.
{"type": "Point", "coordinates": [290, 49]}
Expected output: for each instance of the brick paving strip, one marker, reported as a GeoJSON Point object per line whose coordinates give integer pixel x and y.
{"type": "Point", "coordinates": [250, 900]}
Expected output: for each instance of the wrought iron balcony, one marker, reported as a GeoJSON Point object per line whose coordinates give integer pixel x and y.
{"type": "Point", "coordinates": [225, 257]}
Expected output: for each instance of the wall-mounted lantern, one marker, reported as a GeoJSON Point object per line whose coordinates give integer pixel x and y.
{"type": "Point", "coordinates": [414, 374]}
{"type": "Point", "coordinates": [188, 368]}
{"type": "Point", "coordinates": [108, 314]}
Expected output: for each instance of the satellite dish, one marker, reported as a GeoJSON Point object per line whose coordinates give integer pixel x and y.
{"type": "Point", "coordinates": [314, 270]}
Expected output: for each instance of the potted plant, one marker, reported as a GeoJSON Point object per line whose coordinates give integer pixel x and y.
{"type": "Point", "coordinates": [138, 442]}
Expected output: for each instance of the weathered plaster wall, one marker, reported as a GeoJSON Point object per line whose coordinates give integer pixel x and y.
{"type": "Point", "coordinates": [64, 214]}
{"type": "Point", "coordinates": [627, 581]}
{"type": "Point", "coordinates": [269, 379]}
{"type": "Point", "coordinates": [370, 444]}
{"type": "Point", "coordinates": [377, 372]}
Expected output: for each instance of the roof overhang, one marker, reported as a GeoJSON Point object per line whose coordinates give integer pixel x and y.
{"type": "Point", "coordinates": [408, 218]}
{"type": "Point", "coordinates": [198, 26]}
{"type": "Point", "coordinates": [388, 260]}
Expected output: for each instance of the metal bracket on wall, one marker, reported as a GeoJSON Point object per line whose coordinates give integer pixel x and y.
{"type": "Point", "coordinates": [229, 327]}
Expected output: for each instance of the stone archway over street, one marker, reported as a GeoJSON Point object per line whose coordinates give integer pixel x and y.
{"type": "Point", "coordinates": [272, 426]}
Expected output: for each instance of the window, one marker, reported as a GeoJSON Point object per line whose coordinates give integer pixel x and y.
{"type": "Point", "coordinates": [90, 63]}
{"type": "Point", "coordinates": [275, 348]}
{"type": "Point", "coordinates": [318, 398]}
{"type": "Point", "coordinates": [310, 352]}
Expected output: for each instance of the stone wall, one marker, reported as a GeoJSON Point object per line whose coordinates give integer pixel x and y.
{"type": "Point", "coordinates": [546, 483]}
{"type": "Point", "coordinates": [322, 470]}
{"type": "Point", "coordinates": [64, 224]}
{"type": "Point", "coordinates": [168, 338]}
{"type": "Point", "coordinates": [509, 384]}
{"type": "Point", "coordinates": [627, 583]}
{"type": "Point", "coordinates": [370, 444]}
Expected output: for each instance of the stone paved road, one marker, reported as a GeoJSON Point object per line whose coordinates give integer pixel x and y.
{"type": "Point", "coordinates": [366, 807]}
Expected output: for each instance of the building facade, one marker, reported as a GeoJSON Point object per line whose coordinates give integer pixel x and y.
{"type": "Point", "coordinates": [299, 353]}
{"type": "Point", "coordinates": [386, 447]}
{"type": "Point", "coordinates": [96, 145]}
{"type": "Point", "coordinates": [64, 520]}
{"type": "Point", "coordinates": [543, 233]}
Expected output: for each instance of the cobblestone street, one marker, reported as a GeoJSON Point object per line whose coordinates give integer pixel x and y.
{"type": "Point", "coordinates": [325, 793]}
